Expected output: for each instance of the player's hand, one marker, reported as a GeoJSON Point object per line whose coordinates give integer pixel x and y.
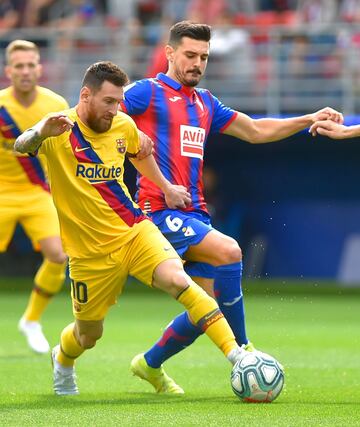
{"type": "Point", "coordinates": [146, 146]}
{"type": "Point", "coordinates": [177, 197]}
{"type": "Point", "coordinates": [327, 113]}
{"type": "Point", "coordinates": [330, 129]}
{"type": "Point", "coordinates": [54, 125]}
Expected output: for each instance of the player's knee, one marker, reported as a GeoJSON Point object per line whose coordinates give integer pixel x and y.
{"type": "Point", "coordinates": [170, 277]}
{"type": "Point", "coordinates": [56, 256]}
{"type": "Point", "coordinates": [180, 280]}
{"type": "Point", "coordinates": [52, 250]}
{"type": "Point", "coordinates": [231, 253]}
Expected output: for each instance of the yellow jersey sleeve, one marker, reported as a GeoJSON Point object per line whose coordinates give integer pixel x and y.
{"type": "Point", "coordinates": [133, 138]}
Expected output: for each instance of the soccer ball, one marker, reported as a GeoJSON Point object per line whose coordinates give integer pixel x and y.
{"type": "Point", "coordinates": [257, 377]}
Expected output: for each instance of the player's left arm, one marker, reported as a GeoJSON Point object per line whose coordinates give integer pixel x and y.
{"type": "Point", "coordinates": [259, 131]}
{"type": "Point", "coordinates": [334, 130]}
{"type": "Point", "coordinates": [176, 196]}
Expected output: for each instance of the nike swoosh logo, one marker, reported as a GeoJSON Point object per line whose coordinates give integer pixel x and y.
{"type": "Point", "coordinates": [77, 149]}
{"type": "Point", "coordinates": [167, 248]}
{"type": "Point", "coordinates": [234, 301]}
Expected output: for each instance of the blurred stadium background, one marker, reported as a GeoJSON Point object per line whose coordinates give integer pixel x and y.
{"type": "Point", "coordinates": [294, 207]}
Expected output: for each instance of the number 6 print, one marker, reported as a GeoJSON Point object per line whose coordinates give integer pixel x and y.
{"type": "Point", "coordinates": [174, 224]}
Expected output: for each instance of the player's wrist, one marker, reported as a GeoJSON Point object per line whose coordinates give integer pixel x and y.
{"type": "Point", "coordinates": [166, 187]}
{"type": "Point", "coordinates": [351, 131]}
{"type": "Point", "coordinates": [39, 130]}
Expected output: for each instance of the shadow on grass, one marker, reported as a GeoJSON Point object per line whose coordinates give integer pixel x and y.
{"type": "Point", "coordinates": [87, 400]}
{"type": "Point", "coordinates": [143, 399]}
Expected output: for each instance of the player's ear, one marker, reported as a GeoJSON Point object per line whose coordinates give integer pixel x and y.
{"type": "Point", "coordinates": [7, 71]}
{"type": "Point", "coordinates": [84, 94]}
{"type": "Point", "coordinates": [39, 70]}
{"type": "Point", "coordinates": [169, 52]}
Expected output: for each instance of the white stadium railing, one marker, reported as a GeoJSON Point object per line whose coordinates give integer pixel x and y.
{"type": "Point", "coordinates": [271, 71]}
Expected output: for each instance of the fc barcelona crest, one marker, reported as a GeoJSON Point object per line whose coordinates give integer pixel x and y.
{"type": "Point", "coordinates": [121, 145]}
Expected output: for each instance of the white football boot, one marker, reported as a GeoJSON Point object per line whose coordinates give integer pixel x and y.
{"type": "Point", "coordinates": [237, 354]}
{"type": "Point", "coordinates": [34, 336]}
{"type": "Point", "coordinates": [64, 377]}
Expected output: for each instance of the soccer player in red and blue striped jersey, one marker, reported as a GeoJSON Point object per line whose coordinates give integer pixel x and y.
{"type": "Point", "coordinates": [179, 117]}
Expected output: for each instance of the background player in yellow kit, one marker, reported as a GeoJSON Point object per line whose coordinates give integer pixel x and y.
{"type": "Point", "coordinates": [105, 234]}
{"type": "Point", "coordinates": [24, 192]}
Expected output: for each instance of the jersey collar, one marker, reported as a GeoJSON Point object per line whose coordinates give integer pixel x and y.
{"type": "Point", "coordinates": [169, 81]}
{"type": "Point", "coordinates": [188, 91]}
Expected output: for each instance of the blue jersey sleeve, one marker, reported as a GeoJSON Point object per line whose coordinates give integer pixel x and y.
{"type": "Point", "coordinates": [222, 116]}
{"type": "Point", "coordinates": [137, 97]}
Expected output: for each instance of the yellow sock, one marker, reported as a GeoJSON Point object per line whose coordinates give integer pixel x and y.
{"type": "Point", "coordinates": [204, 311]}
{"type": "Point", "coordinates": [48, 282]}
{"type": "Point", "coordinates": [37, 304]}
{"type": "Point", "coordinates": [70, 349]}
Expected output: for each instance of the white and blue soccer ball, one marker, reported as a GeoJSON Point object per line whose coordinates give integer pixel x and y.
{"type": "Point", "coordinates": [257, 377]}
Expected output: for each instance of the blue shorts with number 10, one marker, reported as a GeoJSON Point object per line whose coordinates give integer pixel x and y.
{"type": "Point", "coordinates": [184, 229]}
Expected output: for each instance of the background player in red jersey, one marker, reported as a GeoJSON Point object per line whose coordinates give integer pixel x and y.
{"type": "Point", "coordinates": [179, 117]}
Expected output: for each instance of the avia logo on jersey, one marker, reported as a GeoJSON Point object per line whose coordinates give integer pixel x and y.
{"type": "Point", "coordinates": [192, 141]}
{"type": "Point", "coordinates": [98, 172]}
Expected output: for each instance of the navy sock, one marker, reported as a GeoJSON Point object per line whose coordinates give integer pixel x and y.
{"type": "Point", "coordinates": [228, 293]}
{"type": "Point", "coordinates": [178, 335]}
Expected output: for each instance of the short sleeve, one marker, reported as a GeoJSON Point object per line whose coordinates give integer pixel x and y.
{"type": "Point", "coordinates": [45, 146]}
{"type": "Point", "coordinates": [137, 97]}
{"type": "Point", "coordinates": [133, 138]}
{"type": "Point", "coordinates": [222, 117]}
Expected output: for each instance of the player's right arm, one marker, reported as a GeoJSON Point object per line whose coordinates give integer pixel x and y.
{"type": "Point", "coordinates": [52, 125]}
{"type": "Point", "coordinates": [259, 131]}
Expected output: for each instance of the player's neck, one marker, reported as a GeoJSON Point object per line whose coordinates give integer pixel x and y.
{"type": "Point", "coordinates": [25, 98]}
{"type": "Point", "coordinates": [188, 90]}
{"type": "Point", "coordinates": [82, 114]}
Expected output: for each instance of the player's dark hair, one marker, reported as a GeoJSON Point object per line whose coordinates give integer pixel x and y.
{"type": "Point", "coordinates": [103, 71]}
{"type": "Point", "coordinates": [189, 29]}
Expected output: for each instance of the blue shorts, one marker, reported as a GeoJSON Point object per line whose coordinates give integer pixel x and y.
{"type": "Point", "coordinates": [184, 229]}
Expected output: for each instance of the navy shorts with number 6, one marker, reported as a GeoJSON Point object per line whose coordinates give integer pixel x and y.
{"type": "Point", "coordinates": [184, 229]}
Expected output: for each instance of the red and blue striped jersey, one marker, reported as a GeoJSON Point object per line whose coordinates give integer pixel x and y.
{"type": "Point", "coordinates": [179, 120]}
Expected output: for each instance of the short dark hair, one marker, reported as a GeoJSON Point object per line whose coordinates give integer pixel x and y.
{"type": "Point", "coordinates": [103, 71]}
{"type": "Point", "coordinates": [189, 29]}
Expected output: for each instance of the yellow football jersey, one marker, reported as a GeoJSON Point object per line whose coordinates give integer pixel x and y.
{"type": "Point", "coordinates": [17, 171]}
{"type": "Point", "coordinates": [85, 170]}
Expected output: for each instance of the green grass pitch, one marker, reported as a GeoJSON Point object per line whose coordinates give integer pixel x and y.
{"type": "Point", "coordinates": [313, 333]}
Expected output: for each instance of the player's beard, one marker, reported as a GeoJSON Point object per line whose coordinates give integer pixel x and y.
{"type": "Point", "coordinates": [192, 78]}
{"type": "Point", "coordinates": [99, 124]}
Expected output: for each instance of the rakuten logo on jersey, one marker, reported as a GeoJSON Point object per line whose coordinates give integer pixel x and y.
{"type": "Point", "coordinates": [192, 141]}
{"type": "Point", "coordinates": [98, 173]}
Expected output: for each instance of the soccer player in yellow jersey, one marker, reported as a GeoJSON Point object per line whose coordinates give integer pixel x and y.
{"type": "Point", "coordinates": [24, 192]}
{"type": "Point", "coordinates": [105, 234]}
